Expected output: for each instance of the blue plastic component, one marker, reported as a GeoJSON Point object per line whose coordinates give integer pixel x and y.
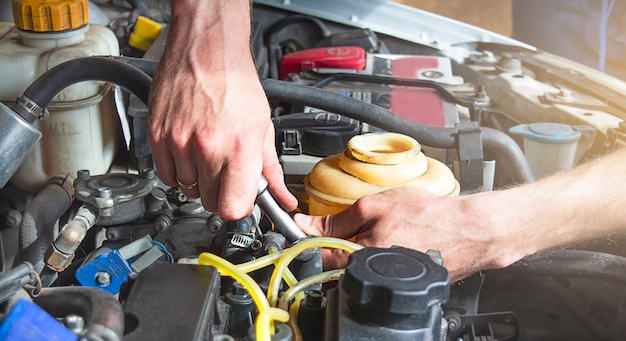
{"type": "Point", "coordinates": [27, 321]}
{"type": "Point", "coordinates": [109, 261]}
{"type": "Point", "coordinates": [547, 132]}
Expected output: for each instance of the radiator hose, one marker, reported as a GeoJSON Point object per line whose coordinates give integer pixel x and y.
{"type": "Point", "coordinates": [42, 91]}
{"type": "Point", "coordinates": [39, 217]}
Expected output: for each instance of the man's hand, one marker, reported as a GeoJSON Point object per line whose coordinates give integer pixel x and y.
{"type": "Point", "coordinates": [413, 218]}
{"type": "Point", "coordinates": [210, 124]}
{"type": "Point", "coordinates": [487, 230]}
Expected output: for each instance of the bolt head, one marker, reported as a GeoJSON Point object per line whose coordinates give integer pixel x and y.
{"type": "Point", "coordinates": [103, 278]}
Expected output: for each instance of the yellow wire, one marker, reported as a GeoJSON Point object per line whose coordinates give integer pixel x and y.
{"type": "Point", "coordinates": [294, 251]}
{"type": "Point", "coordinates": [297, 291]}
{"type": "Point", "coordinates": [292, 292]}
{"type": "Point", "coordinates": [288, 276]}
{"type": "Point", "coordinates": [264, 325]}
{"type": "Point", "coordinates": [262, 262]}
{"type": "Point", "coordinates": [227, 268]}
{"type": "Point", "coordinates": [293, 322]}
{"type": "Point", "coordinates": [266, 306]}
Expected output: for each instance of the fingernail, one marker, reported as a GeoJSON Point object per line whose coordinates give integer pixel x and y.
{"type": "Point", "coordinates": [303, 219]}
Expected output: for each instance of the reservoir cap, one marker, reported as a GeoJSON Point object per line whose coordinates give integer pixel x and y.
{"type": "Point", "coordinates": [547, 132]}
{"type": "Point", "coordinates": [50, 15]}
{"type": "Point", "coordinates": [395, 280]}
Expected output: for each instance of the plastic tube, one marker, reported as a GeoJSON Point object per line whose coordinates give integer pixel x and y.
{"type": "Point", "coordinates": [293, 322]}
{"type": "Point", "coordinates": [266, 314]}
{"type": "Point", "coordinates": [294, 251]}
{"type": "Point", "coordinates": [227, 268]}
{"type": "Point", "coordinates": [267, 260]}
{"type": "Point", "coordinates": [288, 276]}
{"type": "Point", "coordinates": [297, 291]}
{"type": "Point", "coordinates": [260, 262]}
{"type": "Point", "coordinates": [264, 322]}
{"type": "Point", "coordinates": [326, 276]}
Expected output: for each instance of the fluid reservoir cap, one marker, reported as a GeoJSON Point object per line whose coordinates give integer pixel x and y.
{"type": "Point", "coordinates": [395, 280]}
{"type": "Point", "coordinates": [546, 132]}
{"type": "Point", "coordinates": [50, 15]}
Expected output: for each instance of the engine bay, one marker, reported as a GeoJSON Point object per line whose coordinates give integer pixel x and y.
{"type": "Point", "coordinates": [108, 252]}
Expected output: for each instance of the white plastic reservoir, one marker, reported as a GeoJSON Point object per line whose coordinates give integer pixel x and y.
{"type": "Point", "coordinates": [552, 147]}
{"type": "Point", "coordinates": [82, 131]}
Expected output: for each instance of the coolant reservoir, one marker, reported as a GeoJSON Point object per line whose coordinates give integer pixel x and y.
{"type": "Point", "coordinates": [82, 130]}
{"type": "Point", "coordinates": [552, 147]}
{"type": "Point", "coordinates": [370, 164]}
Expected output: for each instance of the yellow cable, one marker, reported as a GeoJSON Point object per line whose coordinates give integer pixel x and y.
{"type": "Point", "coordinates": [288, 276]}
{"type": "Point", "coordinates": [294, 251]}
{"type": "Point", "coordinates": [264, 322]}
{"type": "Point", "coordinates": [293, 322]}
{"type": "Point", "coordinates": [262, 262]}
{"type": "Point", "coordinates": [264, 325]}
{"type": "Point", "coordinates": [297, 291]}
{"type": "Point", "coordinates": [323, 277]}
{"type": "Point", "coordinates": [227, 268]}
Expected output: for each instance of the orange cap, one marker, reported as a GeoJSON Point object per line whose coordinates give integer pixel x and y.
{"type": "Point", "coordinates": [50, 15]}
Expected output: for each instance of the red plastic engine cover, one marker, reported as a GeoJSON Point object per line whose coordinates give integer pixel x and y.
{"type": "Point", "coordinates": [342, 57]}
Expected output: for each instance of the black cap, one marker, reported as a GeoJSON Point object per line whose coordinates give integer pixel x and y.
{"type": "Point", "coordinates": [395, 280]}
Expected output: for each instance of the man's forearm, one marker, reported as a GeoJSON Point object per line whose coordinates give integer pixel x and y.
{"type": "Point", "coordinates": [211, 27]}
{"type": "Point", "coordinates": [581, 204]}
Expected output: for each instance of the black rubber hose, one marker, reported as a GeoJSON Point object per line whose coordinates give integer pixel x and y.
{"type": "Point", "coordinates": [509, 154]}
{"type": "Point", "coordinates": [97, 307]}
{"type": "Point", "coordinates": [38, 219]}
{"type": "Point", "coordinates": [359, 110]}
{"type": "Point", "coordinates": [106, 69]}
{"type": "Point", "coordinates": [493, 140]}
{"type": "Point", "coordinates": [572, 263]}
{"type": "Point", "coordinates": [148, 66]}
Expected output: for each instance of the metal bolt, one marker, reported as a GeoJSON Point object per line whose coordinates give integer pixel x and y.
{"type": "Point", "coordinates": [13, 218]}
{"type": "Point", "coordinates": [83, 174]}
{"type": "Point", "coordinates": [565, 95]}
{"type": "Point", "coordinates": [113, 234]}
{"type": "Point", "coordinates": [181, 197]}
{"type": "Point", "coordinates": [216, 223]}
{"type": "Point", "coordinates": [162, 223]}
{"type": "Point", "coordinates": [103, 278]}
{"type": "Point", "coordinates": [314, 298]}
{"type": "Point", "coordinates": [239, 290]}
{"type": "Point", "coordinates": [104, 192]}
{"type": "Point", "coordinates": [75, 323]}
{"type": "Point", "coordinates": [148, 173]}
{"type": "Point", "coordinates": [256, 245]}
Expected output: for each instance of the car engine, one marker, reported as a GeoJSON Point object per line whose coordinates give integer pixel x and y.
{"type": "Point", "coordinates": [93, 246]}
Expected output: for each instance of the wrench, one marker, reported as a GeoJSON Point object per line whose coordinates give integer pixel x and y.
{"type": "Point", "coordinates": [281, 219]}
